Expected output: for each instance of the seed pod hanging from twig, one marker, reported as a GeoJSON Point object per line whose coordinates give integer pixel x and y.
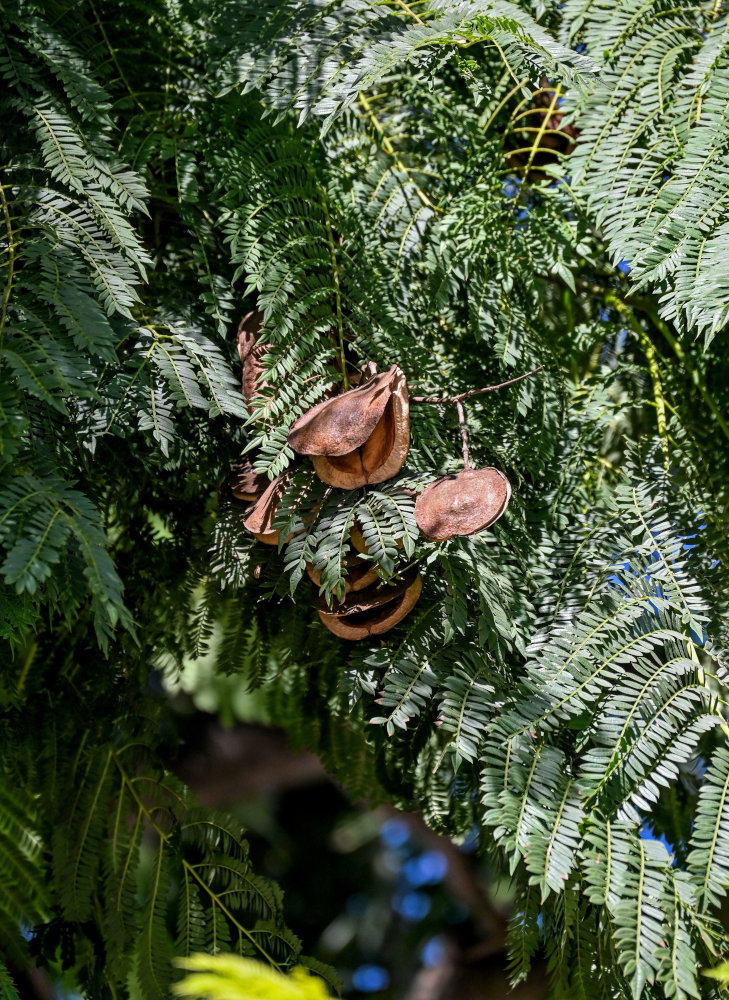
{"type": "Point", "coordinates": [373, 611]}
{"type": "Point", "coordinates": [361, 436]}
{"type": "Point", "coordinates": [462, 504]}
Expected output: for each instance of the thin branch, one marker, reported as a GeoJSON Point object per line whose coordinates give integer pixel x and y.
{"type": "Point", "coordinates": [464, 433]}
{"type": "Point", "coordinates": [651, 356]}
{"type": "Point", "coordinates": [543, 128]}
{"type": "Point", "coordinates": [484, 126]}
{"type": "Point", "coordinates": [455, 400]}
{"type": "Point", "coordinates": [412, 13]}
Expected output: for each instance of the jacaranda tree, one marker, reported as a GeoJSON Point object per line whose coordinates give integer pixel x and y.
{"type": "Point", "coordinates": [452, 194]}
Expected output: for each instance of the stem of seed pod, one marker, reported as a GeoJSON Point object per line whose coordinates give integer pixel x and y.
{"type": "Point", "coordinates": [337, 291]}
{"type": "Point", "coordinates": [444, 400]}
{"type": "Point", "coordinates": [464, 432]}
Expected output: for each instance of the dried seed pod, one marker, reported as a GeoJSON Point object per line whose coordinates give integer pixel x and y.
{"type": "Point", "coordinates": [251, 352]}
{"type": "Point", "coordinates": [373, 611]}
{"type": "Point", "coordinates": [259, 520]}
{"type": "Point", "coordinates": [244, 482]}
{"type": "Point", "coordinates": [360, 574]}
{"type": "Point", "coordinates": [361, 436]}
{"type": "Point", "coordinates": [462, 504]}
{"type": "Point", "coordinates": [358, 541]}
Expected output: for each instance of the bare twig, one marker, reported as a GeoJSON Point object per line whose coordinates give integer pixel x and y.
{"type": "Point", "coordinates": [464, 432]}
{"type": "Point", "coordinates": [455, 400]}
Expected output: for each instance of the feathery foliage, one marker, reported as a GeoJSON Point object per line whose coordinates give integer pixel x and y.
{"type": "Point", "coordinates": [446, 187]}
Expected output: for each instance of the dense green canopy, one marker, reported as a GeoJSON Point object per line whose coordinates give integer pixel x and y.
{"type": "Point", "coordinates": [469, 190]}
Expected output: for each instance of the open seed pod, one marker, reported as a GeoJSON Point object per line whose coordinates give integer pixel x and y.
{"type": "Point", "coordinates": [361, 436]}
{"type": "Point", "coordinates": [259, 520]}
{"type": "Point", "coordinates": [251, 352]}
{"type": "Point", "coordinates": [462, 504]}
{"type": "Point", "coordinates": [360, 574]}
{"type": "Point", "coordinates": [244, 482]}
{"type": "Point", "coordinates": [374, 610]}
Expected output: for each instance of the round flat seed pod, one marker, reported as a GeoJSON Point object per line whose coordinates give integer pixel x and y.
{"type": "Point", "coordinates": [373, 611]}
{"type": "Point", "coordinates": [361, 436]}
{"type": "Point", "coordinates": [360, 574]}
{"type": "Point", "coordinates": [245, 483]}
{"type": "Point", "coordinates": [259, 520]}
{"type": "Point", "coordinates": [462, 504]}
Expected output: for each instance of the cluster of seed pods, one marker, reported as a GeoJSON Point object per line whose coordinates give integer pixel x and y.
{"type": "Point", "coordinates": [354, 439]}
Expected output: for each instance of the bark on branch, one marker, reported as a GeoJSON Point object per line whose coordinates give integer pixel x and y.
{"type": "Point", "coordinates": [454, 400]}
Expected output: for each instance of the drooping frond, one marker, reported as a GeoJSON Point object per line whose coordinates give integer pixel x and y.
{"type": "Point", "coordinates": [23, 894]}
{"type": "Point", "coordinates": [123, 841]}
{"type": "Point", "coordinates": [316, 58]}
{"type": "Point", "coordinates": [707, 861]}
{"type": "Point", "coordinates": [651, 159]}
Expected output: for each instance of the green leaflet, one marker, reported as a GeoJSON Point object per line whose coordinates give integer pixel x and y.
{"type": "Point", "coordinates": [7, 989]}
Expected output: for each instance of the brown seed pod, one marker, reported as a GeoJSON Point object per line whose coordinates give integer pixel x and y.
{"type": "Point", "coordinates": [244, 482]}
{"type": "Point", "coordinates": [361, 436]}
{"type": "Point", "coordinates": [462, 504]}
{"type": "Point", "coordinates": [251, 352]}
{"type": "Point", "coordinates": [358, 541]}
{"type": "Point", "coordinates": [360, 574]}
{"type": "Point", "coordinates": [373, 611]}
{"type": "Point", "coordinates": [259, 520]}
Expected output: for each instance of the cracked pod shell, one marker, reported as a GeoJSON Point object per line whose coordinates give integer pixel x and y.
{"type": "Point", "coordinates": [259, 520]}
{"type": "Point", "coordinates": [244, 482]}
{"type": "Point", "coordinates": [373, 611]}
{"type": "Point", "coordinates": [462, 504]}
{"type": "Point", "coordinates": [361, 436]}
